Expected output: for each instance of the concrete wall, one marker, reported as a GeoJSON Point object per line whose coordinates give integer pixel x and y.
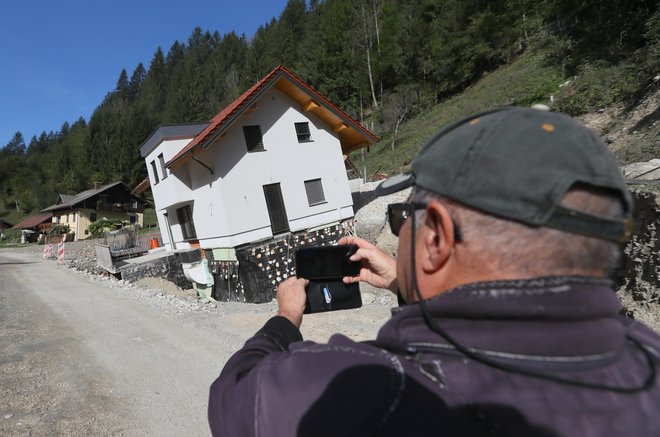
{"type": "Point", "coordinates": [228, 206]}
{"type": "Point", "coordinates": [169, 190]}
{"type": "Point", "coordinates": [263, 265]}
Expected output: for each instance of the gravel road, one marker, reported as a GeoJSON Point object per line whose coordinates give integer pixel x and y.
{"type": "Point", "coordinates": [90, 355]}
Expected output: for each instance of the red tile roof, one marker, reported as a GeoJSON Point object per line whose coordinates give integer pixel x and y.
{"type": "Point", "coordinates": [33, 221]}
{"type": "Point", "coordinates": [227, 114]}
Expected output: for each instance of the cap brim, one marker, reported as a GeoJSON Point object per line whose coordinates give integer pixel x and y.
{"type": "Point", "coordinates": [395, 184]}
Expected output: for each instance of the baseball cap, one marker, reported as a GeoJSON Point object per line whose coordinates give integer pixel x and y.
{"type": "Point", "coordinates": [518, 163]}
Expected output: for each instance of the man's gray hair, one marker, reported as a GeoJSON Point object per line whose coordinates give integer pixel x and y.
{"type": "Point", "coordinates": [503, 244]}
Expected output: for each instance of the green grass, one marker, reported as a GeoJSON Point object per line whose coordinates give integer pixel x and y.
{"type": "Point", "coordinates": [522, 82]}
{"type": "Point", "coordinates": [150, 217]}
{"type": "Point", "coordinates": [14, 245]}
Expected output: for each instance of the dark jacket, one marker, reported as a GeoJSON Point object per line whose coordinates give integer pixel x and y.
{"type": "Point", "coordinates": [412, 382]}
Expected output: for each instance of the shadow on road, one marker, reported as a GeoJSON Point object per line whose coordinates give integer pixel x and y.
{"type": "Point", "coordinates": [16, 263]}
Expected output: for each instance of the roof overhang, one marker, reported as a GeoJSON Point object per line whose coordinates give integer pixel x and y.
{"type": "Point", "coordinates": [352, 135]}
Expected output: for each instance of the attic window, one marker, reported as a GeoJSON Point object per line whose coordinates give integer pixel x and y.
{"type": "Point", "coordinates": [314, 189]}
{"type": "Point", "coordinates": [253, 139]}
{"type": "Point", "coordinates": [155, 172]}
{"type": "Point", "coordinates": [302, 132]}
{"type": "Point", "coordinates": [162, 165]}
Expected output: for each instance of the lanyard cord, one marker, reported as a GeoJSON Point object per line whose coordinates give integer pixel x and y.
{"type": "Point", "coordinates": [481, 358]}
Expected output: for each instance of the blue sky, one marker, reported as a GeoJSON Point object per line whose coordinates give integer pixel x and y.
{"type": "Point", "coordinates": [58, 59]}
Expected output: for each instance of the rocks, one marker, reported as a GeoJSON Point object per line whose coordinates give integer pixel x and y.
{"type": "Point", "coordinates": [638, 277]}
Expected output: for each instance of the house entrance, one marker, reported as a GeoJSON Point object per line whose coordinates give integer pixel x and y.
{"type": "Point", "coordinates": [279, 222]}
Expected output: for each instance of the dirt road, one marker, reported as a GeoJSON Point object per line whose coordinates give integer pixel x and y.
{"type": "Point", "coordinates": [81, 357]}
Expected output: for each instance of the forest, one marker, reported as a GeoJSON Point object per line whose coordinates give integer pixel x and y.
{"type": "Point", "coordinates": [384, 62]}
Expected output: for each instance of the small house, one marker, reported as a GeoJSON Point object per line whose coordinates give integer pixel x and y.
{"type": "Point", "coordinates": [270, 167]}
{"type": "Point", "coordinates": [111, 201]}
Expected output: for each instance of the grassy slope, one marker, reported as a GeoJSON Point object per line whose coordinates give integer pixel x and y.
{"type": "Point", "coordinates": [522, 82]}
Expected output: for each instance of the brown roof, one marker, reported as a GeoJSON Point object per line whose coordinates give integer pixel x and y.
{"type": "Point", "coordinates": [72, 201]}
{"type": "Point", "coordinates": [33, 221]}
{"type": "Point", "coordinates": [226, 117]}
{"type": "Point", "coordinates": [141, 187]}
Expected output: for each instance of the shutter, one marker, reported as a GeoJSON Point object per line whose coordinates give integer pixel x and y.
{"type": "Point", "coordinates": [253, 138]}
{"type": "Point", "coordinates": [279, 222]}
{"type": "Point", "coordinates": [302, 131]}
{"type": "Point", "coordinates": [314, 190]}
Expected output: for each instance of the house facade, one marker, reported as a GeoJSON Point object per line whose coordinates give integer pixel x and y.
{"type": "Point", "coordinates": [111, 201]}
{"type": "Point", "coordinates": [270, 165]}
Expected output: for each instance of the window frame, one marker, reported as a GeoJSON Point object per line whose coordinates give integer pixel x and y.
{"type": "Point", "coordinates": [310, 187]}
{"type": "Point", "coordinates": [155, 172]}
{"type": "Point", "coordinates": [161, 160]}
{"type": "Point", "coordinates": [304, 135]}
{"type": "Point", "coordinates": [249, 135]}
{"type": "Point", "coordinates": [188, 230]}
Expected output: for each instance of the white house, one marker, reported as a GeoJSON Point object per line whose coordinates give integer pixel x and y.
{"type": "Point", "coordinates": [270, 163]}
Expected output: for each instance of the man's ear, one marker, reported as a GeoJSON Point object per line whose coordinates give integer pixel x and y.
{"type": "Point", "coordinates": [439, 238]}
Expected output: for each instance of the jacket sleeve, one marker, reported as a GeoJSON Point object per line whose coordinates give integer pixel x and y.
{"type": "Point", "coordinates": [232, 395]}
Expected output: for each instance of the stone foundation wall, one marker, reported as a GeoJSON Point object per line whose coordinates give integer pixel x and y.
{"type": "Point", "coordinates": [263, 265]}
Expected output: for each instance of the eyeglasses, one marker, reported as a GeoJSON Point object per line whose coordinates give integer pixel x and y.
{"type": "Point", "coordinates": [397, 213]}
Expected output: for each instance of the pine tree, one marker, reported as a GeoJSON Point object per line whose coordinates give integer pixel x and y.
{"type": "Point", "coordinates": [136, 82]}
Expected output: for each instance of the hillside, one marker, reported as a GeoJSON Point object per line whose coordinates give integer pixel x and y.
{"type": "Point", "coordinates": [630, 128]}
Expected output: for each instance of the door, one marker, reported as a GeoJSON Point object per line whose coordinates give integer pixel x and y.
{"type": "Point", "coordinates": [279, 222]}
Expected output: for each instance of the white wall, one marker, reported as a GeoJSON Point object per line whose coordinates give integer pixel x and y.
{"type": "Point", "coordinates": [169, 191]}
{"type": "Point", "coordinates": [229, 207]}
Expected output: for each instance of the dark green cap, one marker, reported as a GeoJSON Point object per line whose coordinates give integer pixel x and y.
{"type": "Point", "coordinates": [518, 163]}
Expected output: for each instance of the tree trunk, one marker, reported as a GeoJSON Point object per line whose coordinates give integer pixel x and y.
{"type": "Point", "coordinates": [367, 49]}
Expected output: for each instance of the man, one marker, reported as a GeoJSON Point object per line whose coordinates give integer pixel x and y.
{"type": "Point", "coordinates": [510, 325]}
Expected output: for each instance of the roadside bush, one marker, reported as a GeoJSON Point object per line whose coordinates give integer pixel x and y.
{"type": "Point", "coordinates": [11, 236]}
{"type": "Point", "coordinates": [59, 229]}
{"type": "Point", "coordinates": [97, 228]}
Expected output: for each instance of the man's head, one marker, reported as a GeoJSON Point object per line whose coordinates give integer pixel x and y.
{"type": "Point", "coordinates": [533, 193]}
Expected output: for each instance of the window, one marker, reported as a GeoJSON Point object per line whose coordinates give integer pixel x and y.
{"type": "Point", "coordinates": [92, 217]}
{"type": "Point", "coordinates": [133, 219]}
{"type": "Point", "coordinates": [314, 191]}
{"type": "Point", "coordinates": [302, 132]}
{"type": "Point", "coordinates": [73, 217]}
{"type": "Point", "coordinates": [155, 172]}
{"type": "Point", "coordinates": [279, 223]}
{"type": "Point", "coordinates": [86, 231]}
{"type": "Point", "coordinates": [184, 214]}
{"type": "Point", "coordinates": [253, 138]}
{"type": "Point", "coordinates": [162, 165]}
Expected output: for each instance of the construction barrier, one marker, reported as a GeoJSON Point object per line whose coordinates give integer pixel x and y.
{"type": "Point", "coordinates": [45, 251]}
{"type": "Point", "coordinates": [60, 253]}
{"type": "Point", "coordinates": [50, 251]}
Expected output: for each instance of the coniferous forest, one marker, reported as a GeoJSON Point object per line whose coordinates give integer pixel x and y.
{"type": "Point", "coordinates": [382, 61]}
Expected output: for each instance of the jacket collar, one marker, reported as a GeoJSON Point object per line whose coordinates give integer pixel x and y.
{"type": "Point", "coordinates": [548, 316]}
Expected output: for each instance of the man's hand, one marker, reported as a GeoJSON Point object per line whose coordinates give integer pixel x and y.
{"type": "Point", "coordinates": [291, 299]}
{"type": "Point", "coordinates": [377, 267]}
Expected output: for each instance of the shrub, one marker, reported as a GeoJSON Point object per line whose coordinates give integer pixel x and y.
{"type": "Point", "coordinates": [97, 228]}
